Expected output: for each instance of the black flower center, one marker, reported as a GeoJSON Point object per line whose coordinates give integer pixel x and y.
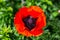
{"type": "Point", "coordinates": [30, 22]}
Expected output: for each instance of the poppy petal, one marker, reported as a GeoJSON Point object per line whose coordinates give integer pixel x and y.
{"type": "Point", "coordinates": [18, 22]}
{"type": "Point", "coordinates": [24, 11]}
{"type": "Point", "coordinates": [26, 33]}
{"type": "Point", "coordinates": [37, 32]}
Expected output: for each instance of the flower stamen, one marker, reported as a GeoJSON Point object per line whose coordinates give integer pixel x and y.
{"type": "Point", "coordinates": [30, 22]}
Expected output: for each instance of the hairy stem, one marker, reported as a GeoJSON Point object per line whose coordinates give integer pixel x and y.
{"type": "Point", "coordinates": [22, 2]}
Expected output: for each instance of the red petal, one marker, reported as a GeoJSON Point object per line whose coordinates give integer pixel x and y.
{"type": "Point", "coordinates": [18, 22]}
{"type": "Point", "coordinates": [34, 14]}
{"type": "Point", "coordinates": [24, 11]}
{"type": "Point", "coordinates": [37, 32]}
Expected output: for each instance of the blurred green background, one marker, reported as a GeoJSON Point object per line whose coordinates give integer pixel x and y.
{"type": "Point", "coordinates": [8, 8]}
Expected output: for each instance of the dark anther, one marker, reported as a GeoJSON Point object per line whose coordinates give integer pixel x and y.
{"type": "Point", "coordinates": [30, 22]}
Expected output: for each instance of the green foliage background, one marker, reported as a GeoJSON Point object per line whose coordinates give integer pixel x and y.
{"type": "Point", "coordinates": [8, 8]}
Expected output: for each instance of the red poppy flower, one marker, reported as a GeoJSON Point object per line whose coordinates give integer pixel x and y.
{"type": "Point", "coordinates": [30, 21]}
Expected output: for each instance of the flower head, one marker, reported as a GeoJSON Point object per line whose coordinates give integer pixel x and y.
{"type": "Point", "coordinates": [30, 21]}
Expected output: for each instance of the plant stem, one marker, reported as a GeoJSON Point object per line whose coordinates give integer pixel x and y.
{"type": "Point", "coordinates": [27, 38]}
{"type": "Point", "coordinates": [22, 2]}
